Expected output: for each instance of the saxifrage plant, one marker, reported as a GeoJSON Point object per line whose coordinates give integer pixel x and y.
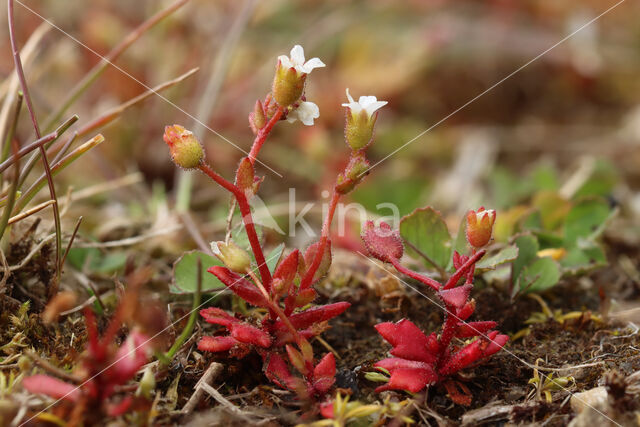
{"type": "Point", "coordinates": [422, 360]}
{"type": "Point", "coordinates": [283, 333]}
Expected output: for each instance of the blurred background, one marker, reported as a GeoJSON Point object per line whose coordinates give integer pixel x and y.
{"type": "Point", "coordinates": [568, 122]}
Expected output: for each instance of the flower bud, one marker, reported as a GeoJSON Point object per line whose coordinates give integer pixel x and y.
{"type": "Point", "coordinates": [355, 171]}
{"type": "Point", "coordinates": [232, 256]}
{"type": "Point", "coordinates": [480, 226]}
{"type": "Point", "coordinates": [185, 149]}
{"type": "Point", "coordinates": [257, 119]}
{"type": "Point", "coordinates": [360, 120]}
{"type": "Point", "coordinates": [288, 85]}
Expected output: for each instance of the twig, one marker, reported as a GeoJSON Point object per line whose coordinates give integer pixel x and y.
{"type": "Point", "coordinates": [53, 289]}
{"type": "Point", "coordinates": [29, 212]}
{"type": "Point", "coordinates": [131, 240]}
{"type": "Point", "coordinates": [210, 374]}
{"type": "Point", "coordinates": [71, 239]}
{"type": "Point", "coordinates": [33, 252]}
{"type": "Point", "coordinates": [52, 369]}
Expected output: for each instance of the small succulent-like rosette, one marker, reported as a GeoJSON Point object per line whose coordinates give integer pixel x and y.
{"type": "Point", "coordinates": [186, 151]}
{"type": "Point", "coordinates": [480, 226]}
{"type": "Point", "coordinates": [361, 119]}
{"type": "Point", "coordinates": [291, 74]}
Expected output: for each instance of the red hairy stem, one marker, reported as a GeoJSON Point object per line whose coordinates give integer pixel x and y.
{"type": "Point", "coordinates": [434, 284]}
{"type": "Point", "coordinates": [324, 239]}
{"type": "Point", "coordinates": [448, 331]}
{"type": "Point", "coordinates": [262, 135]}
{"type": "Point", "coordinates": [453, 280]}
{"type": "Point", "coordinates": [247, 219]}
{"type": "Point", "coordinates": [472, 270]}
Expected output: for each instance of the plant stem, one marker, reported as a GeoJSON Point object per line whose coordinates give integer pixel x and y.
{"type": "Point", "coordinates": [262, 135]}
{"type": "Point", "coordinates": [419, 277]}
{"type": "Point", "coordinates": [324, 240]}
{"type": "Point", "coordinates": [247, 219]}
{"type": "Point", "coordinates": [53, 289]}
{"type": "Point", "coordinates": [441, 271]}
{"type": "Point", "coordinates": [168, 356]}
{"type": "Point", "coordinates": [276, 308]}
{"type": "Point", "coordinates": [453, 280]}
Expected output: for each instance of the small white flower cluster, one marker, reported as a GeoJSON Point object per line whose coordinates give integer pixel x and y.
{"type": "Point", "coordinates": [307, 111]}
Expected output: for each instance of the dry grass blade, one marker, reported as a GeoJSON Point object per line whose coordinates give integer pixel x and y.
{"type": "Point", "coordinates": [112, 56]}
{"type": "Point", "coordinates": [29, 212]}
{"type": "Point", "coordinates": [56, 169]}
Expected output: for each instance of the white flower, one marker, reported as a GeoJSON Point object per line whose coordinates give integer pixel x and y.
{"type": "Point", "coordinates": [370, 104]}
{"type": "Point", "coordinates": [297, 61]}
{"type": "Point", "coordinates": [306, 112]}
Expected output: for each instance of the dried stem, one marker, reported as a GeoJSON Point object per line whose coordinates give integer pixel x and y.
{"type": "Point", "coordinates": [53, 289]}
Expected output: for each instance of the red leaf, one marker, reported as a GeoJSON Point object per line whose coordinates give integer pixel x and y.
{"type": "Point", "coordinates": [239, 285]}
{"type": "Point", "coordinates": [458, 392]}
{"type": "Point", "coordinates": [246, 333]}
{"type": "Point", "coordinates": [314, 315]}
{"type": "Point", "coordinates": [463, 358]}
{"type": "Point", "coordinates": [326, 409]}
{"type": "Point", "coordinates": [408, 341]}
{"type": "Point", "coordinates": [120, 408]}
{"type": "Point", "coordinates": [277, 371]}
{"type": "Point", "coordinates": [382, 242]}
{"type": "Point", "coordinates": [58, 389]}
{"type": "Point", "coordinates": [130, 357]}
{"type": "Point", "coordinates": [472, 329]}
{"type": "Point", "coordinates": [216, 344]}
{"type": "Point", "coordinates": [496, 343]}
{"type": "Point", "coordinates": [412, 380]}
{"type": "Point", "coordinates": [456, 297]}
{"type": "Point", "coordinates": [325, 263]}
{"type": "Point", "coordinates": [218, 316]}
{"type": "Point", "coordinates": [393, 363]}
{"type": "Point", "coordinates": [324, 374]}
{"type": "Point", "coordinates": [288, 267]}
{"type": "Point", "coordinates": [467, 310]}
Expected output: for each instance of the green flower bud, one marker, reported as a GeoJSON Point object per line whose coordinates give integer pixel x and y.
{"type": "Point", "coordinates": [185, 149]}
{"type": "Point", "coordinates": [232, 256]}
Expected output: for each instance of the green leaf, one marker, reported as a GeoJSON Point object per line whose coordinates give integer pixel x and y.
{"type": "Point", "coordinates": [96, 261]}
{"type": "Point", "coordinates": [185, 273]}
{"type": "Point", "coordinates": [541, 274]}
{"type": "Point", "coordinates": [273, 257]}
{"type": "Point", "coordinates": [585, 219]}
{"type": "Point", "coordinates": [425, 230]}
{"type": "Point", "coordinates": [504, 255]}
{"type": "Point", "coordinates": [527, 249]}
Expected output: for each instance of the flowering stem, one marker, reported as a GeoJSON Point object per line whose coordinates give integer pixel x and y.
{"type": "Point", "coordinates": [453, 280]}
{"type": "Point", "coordinates": [262, 135]}
{"type": "Point", "coordinates": [448, 330]}
{"type": "Point", "coordinates": [324, 240]}
{"type": "Point", "coordinates": [247, 219]}
{"type": "Point", "coordinates": [419, 277]}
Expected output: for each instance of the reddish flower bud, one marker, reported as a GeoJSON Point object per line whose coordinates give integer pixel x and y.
{"type": "Point", "coordinates": [257, 119]}
{"type": "Point", "coordinates": [480, 226]}
{"type": "Point", "coordinates": [382, 242]}
{"type": "Point", "coordinates": [184, 147]}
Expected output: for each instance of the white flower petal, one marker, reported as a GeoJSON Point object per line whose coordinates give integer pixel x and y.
{"type": "Point", "coordinates": [374, 106]}
{"type": "Point", "coordinates": [306, 113]}
{"type": "Point", "coordinates": [311, 64]}
{"type": "Point", "coordinates": [285, 61]}
{"type": "Point", "coordinates": [368, 103]}
{"type": "Point", "coordinates": [297, 55]}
